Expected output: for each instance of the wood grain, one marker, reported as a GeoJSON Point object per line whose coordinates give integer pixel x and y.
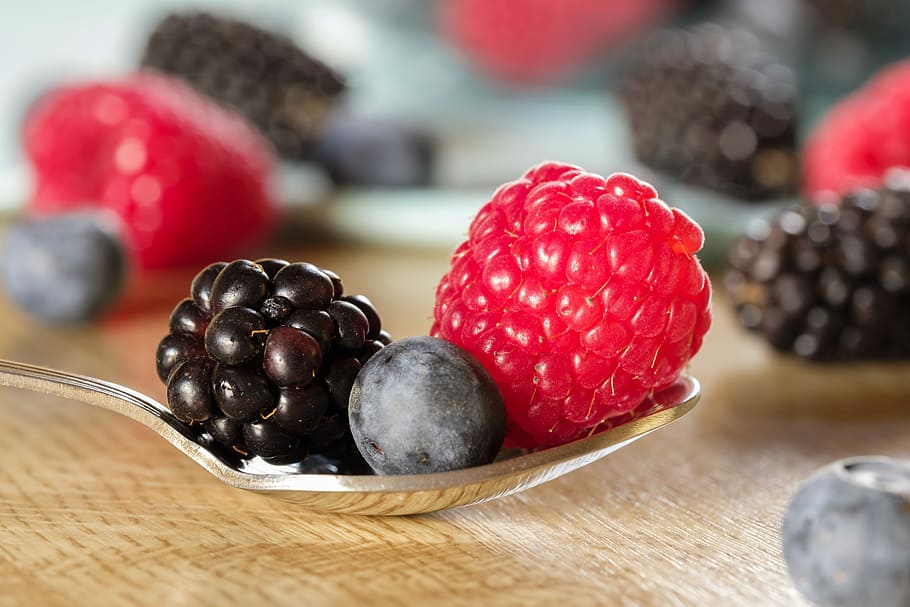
{"type": "Point", "coordinates": [95, 510]}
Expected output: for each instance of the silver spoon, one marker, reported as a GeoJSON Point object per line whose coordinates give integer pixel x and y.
{"type": "Point", "coordinates": [380, 495]}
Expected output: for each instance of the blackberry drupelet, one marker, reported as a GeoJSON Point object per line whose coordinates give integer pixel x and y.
{"type": "Point", "coordinates": [276, 85]}
{"type": "Point", "coordinates": [707, 106]}
{"type": "Point", "coordinates": [261, 359]}
{"type": "Point", "coordinates": [830, 282]}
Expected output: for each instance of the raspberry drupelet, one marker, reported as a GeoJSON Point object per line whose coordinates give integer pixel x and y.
{"type": "Point", "coordinates": [581, 295]}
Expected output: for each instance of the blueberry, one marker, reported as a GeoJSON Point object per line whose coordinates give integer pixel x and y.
{"type": "Point", "coordinates": [65, 268]}
{"type": "Point", "coordinates": [846, 534]}
{"type": "Point", "coordinates": [422, 404]}
{"type": "Point", "coordinates": [369, 152]}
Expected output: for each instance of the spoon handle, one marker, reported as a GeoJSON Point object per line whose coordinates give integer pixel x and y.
{"type": "Point", "coordinates": [100, 393]}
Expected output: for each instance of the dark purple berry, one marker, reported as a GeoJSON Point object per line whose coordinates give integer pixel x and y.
{"type": "Point", "coordinates": [317, 323]}
{"type": "Point", "coordinates": [291, 357]}
{"type": "Point", "coordinates": [225, 431]}
{"type": "Point", "coordinates": [271, 265]}
{"type": "Point", "coordinates": [235, 336]}
{"type": "Point", "coordinates": [353, 325]}
{"type": "Point", "coordinates": [820, 281]}
{"type": "Point", "coordinates": [710, 106]}
{"type": "Point", "coordinates": [305, 285]}
{"type": "Point", "coordinates": [242, 393]}
{"type": "Point", "coordinates": [340, 377]}
{"type": "Point", "coordinates": [189, 393]}
{"type": "Point", "coordinates": [187, 317]}
{"type": "Point", "coordinates": [366, 306]}
{"type": "Point", "coordinates": [299, 410]}
{"type": "Point", "coordinates": [174, 349]}
{"type": "Point", "coordinates": [272, 371]}
{"type": "Point", "coordinates": [286, 92]}
{"type": "Point", "coordinates": [331, 436]}
{"type": "Point", "coordinates": [369, 349]}
{"type": "Point", "coordinates": [241, 283]}
{"type": "Point", "coordinates": [337, 284]}
{"type": "Point", "coordinates": [277, 308]}
{"type": "Point", "coordinates": [271, 444]}
{"type": "Point", "coordinates": [385, 338]}
{"type": "Point", "coordinates": [201, 289]}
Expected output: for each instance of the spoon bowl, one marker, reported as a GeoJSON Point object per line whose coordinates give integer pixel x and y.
{"type": "Point", "coordinates": [355, 494]}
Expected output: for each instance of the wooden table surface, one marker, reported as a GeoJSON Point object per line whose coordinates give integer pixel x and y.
{"type": "Point", "coordinates": [95, 509]}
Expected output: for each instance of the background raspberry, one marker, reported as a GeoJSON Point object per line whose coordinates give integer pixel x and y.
{"type": "Point", "coordinates": [540, 40]}
{"type": "Point", "coordinates": [861, 137]}
{"type": "Point", "coordinates": [581, 295]}
{"type": "Point", "coordinates": [188, 178]}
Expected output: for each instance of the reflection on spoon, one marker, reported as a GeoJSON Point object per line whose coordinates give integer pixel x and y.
{"type": "Point", "coordinates": [379, 495]}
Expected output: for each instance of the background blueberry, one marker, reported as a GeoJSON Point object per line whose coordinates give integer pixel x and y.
{"type": "Point", "coordinates": [422, 404]}
{"type": "Point", "coordinates": [846, 534]}
{"type": "Point", "coordinates": [372, 152]}
{"type": "Point", "coordinates": [65, 268]}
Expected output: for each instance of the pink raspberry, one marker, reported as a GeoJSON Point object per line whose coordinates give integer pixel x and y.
{"type": "Point", "coordinates": [189, 179]}
{"type": "Point", "coordinates": [581, 295]}
{"type": "Point", "coordinates": [526, 41]}
{"type": "Point", "coordinates": [861, 137]}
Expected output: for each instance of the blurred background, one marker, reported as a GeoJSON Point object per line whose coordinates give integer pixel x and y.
{"type": "Point", "coordinates": [394, 120]}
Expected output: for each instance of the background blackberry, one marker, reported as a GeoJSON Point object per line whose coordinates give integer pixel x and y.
{"type": "Point", "coordinates": [276, 386]}
{"type": "Point", "coordinates": [829, 282]}
{"type": "Point", "coordinates": [277, 86]}
{"type": "Point", "coordinates": [707, 106]}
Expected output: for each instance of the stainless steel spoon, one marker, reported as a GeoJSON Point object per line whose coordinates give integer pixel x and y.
{"type": "Point", "coordinates": [378, 495]}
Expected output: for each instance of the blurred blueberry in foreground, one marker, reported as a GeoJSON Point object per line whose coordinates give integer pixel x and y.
{"type": "Point", "coordinates": [846, 534]}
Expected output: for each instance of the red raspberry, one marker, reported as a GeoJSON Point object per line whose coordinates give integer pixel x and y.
{"type": "Point", "coordinates": [861, 137]}
{"type": "Point", "coordinates": [539, 40]}
{"type": "Point", "coordinates": [188, 178]}
{"type": "Point", "coordinates": [581, 295]}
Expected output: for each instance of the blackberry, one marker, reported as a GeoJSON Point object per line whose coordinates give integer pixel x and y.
{"type": "Point", "coordinates": [259, 383]}
{"type": "Point", "coordinates": [832, 281]}
{"type": "Point", "coordinates": [709, 107]}
{"type": "Point", "coordinates": [276, 85]}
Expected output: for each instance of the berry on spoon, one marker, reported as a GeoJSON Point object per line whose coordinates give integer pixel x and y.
{"type": "Point", "coordinates": [580, 294]}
